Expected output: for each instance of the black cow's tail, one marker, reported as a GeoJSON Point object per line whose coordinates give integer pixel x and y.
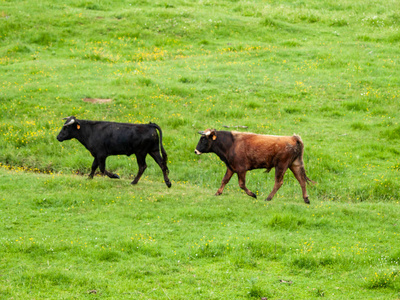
{"type": "Point", "coordinates": [163, 152]}
{"type": "Point", "coordinates": [300, 146]}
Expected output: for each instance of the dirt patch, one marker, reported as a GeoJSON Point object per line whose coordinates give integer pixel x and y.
{"type": "Point", "coordinates": [97, 100]}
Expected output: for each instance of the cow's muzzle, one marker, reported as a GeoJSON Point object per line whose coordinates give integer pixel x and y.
{"type": "Point", "coordinates": [197, 152]}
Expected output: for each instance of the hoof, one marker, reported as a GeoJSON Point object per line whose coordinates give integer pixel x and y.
{"type": "Point", "coordinates": [168, 184]}
{"type": "Point", "coordinates": [111, 175]}
{"type": "Point", "coordinates": [133, 182]}
{"type": "Point", "coordinates": [306, 201]}
{"type": "Point", "coordinates": [268, 199]}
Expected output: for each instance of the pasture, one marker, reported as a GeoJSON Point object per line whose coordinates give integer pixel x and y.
{"type": "Point", "coordinates": [325, 70]}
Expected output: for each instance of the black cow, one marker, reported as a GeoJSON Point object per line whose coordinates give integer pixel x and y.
{"type": "Point", "coordinates": [103, 139]}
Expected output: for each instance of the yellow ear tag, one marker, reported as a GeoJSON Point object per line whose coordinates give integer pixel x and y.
{"type": "Point", "coordinates": [214, 137]}
{"type": "Point", "coordinates": [78, 126]}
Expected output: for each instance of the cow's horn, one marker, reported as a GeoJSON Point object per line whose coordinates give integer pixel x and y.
{"type": "Point", "coordinates": [201, 132]}
{"type": "Point", "coordinates": [72, 121]}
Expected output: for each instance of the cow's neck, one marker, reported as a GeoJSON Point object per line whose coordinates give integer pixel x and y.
{"type": "Point", "coordinates": [83, 135]}
{"type": "Point", "coordinates": [222, 145]}
{"type": "Point", "coordinates": [224, 157]}
{"type": "Point", "coordinates": [221, 151]}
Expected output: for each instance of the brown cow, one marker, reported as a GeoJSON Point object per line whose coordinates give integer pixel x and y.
{"type": "Point", "coordinates": [242, 152]}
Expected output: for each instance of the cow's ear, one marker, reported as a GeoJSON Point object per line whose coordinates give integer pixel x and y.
{"type": "Point", "coordinates": [214, 134]}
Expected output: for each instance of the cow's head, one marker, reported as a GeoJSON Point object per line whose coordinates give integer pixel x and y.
{"type": "Point", "coordinates": [69, 130]}
{"type": "Point", "coordinates": [207, 138]}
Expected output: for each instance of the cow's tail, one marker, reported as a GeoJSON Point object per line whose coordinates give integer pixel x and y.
{"type": "Point", "coordinates": [163, 152]}
{"type": "Point", "coordinates": [300, 147]}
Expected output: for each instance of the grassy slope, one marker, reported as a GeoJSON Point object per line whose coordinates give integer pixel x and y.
{"type": "Point", "coordinates": [72, 237]}
{"type": "Point", "coordinates": [326, 70]}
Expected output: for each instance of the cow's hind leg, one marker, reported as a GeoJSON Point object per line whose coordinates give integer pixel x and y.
{"type": "Point", "coordinates": [299, 172]}
{"type": "Point", "coordinates": [279, 173]}
{"type": "Point", "coordinates": [141, 160]}
{"type": "Point", "coordinates": [157, 157]}
{"type": "Point", "coordinates": [102, 166]}
{"type": "Point", "coordinates": [225, 180]}
{"type": "Point", "coordinates": [242, 184]}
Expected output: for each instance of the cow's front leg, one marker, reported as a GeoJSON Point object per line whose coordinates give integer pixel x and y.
{"type": "Point", "coordinates": [102, 166]}
{"type": "Point", "coordinates": [95, 164]}
{"type": "Point", "coordinates": [225, 180]}
{"type": "Point", "coordinates": [242, 184]}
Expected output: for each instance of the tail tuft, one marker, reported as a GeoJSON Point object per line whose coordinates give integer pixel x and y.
{"type": "Point", "coordinates": [308, 180]}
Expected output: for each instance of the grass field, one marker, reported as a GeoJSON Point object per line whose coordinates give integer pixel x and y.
{"type": "Point", "coordinates": [326, 70]}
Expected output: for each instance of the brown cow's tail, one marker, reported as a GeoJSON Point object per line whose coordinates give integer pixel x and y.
{"type": "Point", "coordinates": [300, 156]}
{"type": "Point", "coordinates": [308, 180]}
{"type": "Point", "coordinates": [163, 152]}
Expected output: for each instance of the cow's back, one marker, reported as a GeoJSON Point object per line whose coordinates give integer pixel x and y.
{"type": "Point", "coordinates": [125, 138]}
{"type": "Point", "coordinates": [264, 151]}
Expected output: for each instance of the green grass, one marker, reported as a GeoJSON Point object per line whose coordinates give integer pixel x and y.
{"type": "Point", "coordinates": [325, 70]}
{"type": "Point", "coordinates": [64, 236]}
